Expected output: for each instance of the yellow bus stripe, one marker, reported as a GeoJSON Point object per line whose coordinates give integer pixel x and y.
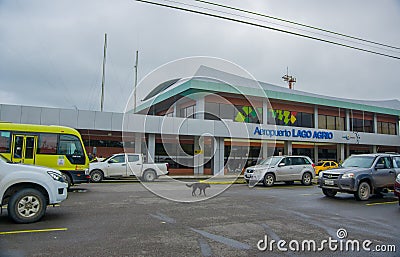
{"type": "Point", "coordinates": [33, 231]}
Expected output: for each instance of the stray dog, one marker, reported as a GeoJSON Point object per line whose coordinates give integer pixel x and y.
{"type": "Point", "coordinates": [200, 186]}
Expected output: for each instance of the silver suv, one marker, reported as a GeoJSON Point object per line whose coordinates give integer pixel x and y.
{"type": "Point", "coordinates": [281, 168]}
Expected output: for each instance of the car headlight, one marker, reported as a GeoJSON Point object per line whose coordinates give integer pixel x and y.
{"type": "Point", "coordinates": [348, 175]}
{"type": "Point", "coordinates": [398, 178]}
{"type": "Point", "coordinates": [56, 176]}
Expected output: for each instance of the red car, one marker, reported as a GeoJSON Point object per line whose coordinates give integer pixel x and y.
{"type": "Point", "coordinates": [397, 187]}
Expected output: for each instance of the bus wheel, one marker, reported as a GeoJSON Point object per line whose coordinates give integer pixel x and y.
{"type": "Point", "coordinates": [96, 176]}
{"type": "Point", "coordinates": [67, 179]}
{"type": "Point", "coordinates": [27, 205]}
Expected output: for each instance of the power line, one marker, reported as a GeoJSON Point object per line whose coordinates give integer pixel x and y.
{"type": "Point", "coordinates": [296, 23]}
{"type": "Point", "coordinates": [267, 27]}
{"type": "Point", "coordinates": [281, 25]}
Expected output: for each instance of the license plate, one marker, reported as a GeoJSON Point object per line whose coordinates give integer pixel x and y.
{"type": "Point", "coordinates": [329, 182]}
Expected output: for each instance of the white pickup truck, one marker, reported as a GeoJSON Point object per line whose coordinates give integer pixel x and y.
{"type": "Point", "coordinates": [28, 189]}
{"type": "Point", "coordinates": [126, 165]}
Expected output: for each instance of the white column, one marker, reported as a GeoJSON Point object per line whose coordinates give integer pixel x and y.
{"type": "Point", "coordinates": [316, 117]}
{"type": "Point", "coordinates": [288, 148]}
{"type": "Point", "coordinates": [340, 152]}
{"type": "Point", "coordinates": [265, 112]}
{"type": "Point", "coordinates": [198, 156]}
{"type": "Point", "coordinates": [342, 156]}
{"type": "Point", "coordinates": [200, 108]}
{"type": "Point", "coordinates": [175, 111]}
{"type": "Point", "coordinates": [218, 156]}
{"type": "Point", "coordinates": [375, 123]}
{"type": "Point", "coordinates": [347, 120]}
{"type": "Point", "coordinates": [151, 148]}
{"type": "Point", "coordinates": [348, 150]}
{"type": "Point", "coordinates": [397, 128]}
{"type": "Point", "coordinates": [264, 149]}
{"type": "Point", "coordinates": [138, 142]}
{"type": "Point", "coordinates": [374, 149]}
{"type": "Point", "coordinates": [316, 153]}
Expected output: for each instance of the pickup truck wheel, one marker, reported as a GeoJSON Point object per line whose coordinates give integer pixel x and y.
{"type": "Point", "coordinates": [269, 180]}
{"type": "Point", "coordinates": [67, 179]}
{"type": "Point", "coordinates": [363, 191]}
{"type": "Point", "coordinates": [149, 176]}
{"type": "Point", "coordinates": [306, 179]}
{"type": "Point", "coordinates": [27, 206]}
{"type": "Point", "coordinates": [329, 192]}
{"type": "Point", "coordinates": [96, 176]}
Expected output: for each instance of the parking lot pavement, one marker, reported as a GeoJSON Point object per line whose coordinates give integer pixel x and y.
{"type": "Point", "coordinates": [125, 219]}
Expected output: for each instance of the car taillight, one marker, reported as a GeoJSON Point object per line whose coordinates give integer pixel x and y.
{"type": "Point", "coordinates": [313, 165]}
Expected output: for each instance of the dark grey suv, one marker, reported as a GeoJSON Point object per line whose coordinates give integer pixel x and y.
{"type": "Point", "coordinates": [361, 175]}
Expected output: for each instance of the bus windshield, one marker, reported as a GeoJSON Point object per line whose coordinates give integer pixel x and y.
{"type": "Point", "coordinates": [70, 145]}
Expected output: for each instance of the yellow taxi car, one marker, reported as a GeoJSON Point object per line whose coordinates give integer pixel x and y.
{"type": "Point", "coordinates": [325, 165]}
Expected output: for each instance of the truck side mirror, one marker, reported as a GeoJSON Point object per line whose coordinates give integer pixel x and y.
{"type": "Point", "coordinates": [281, 164]}
{"type": "Point", "coordinates": [380, 166]}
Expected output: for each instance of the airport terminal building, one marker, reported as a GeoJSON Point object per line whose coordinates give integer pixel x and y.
{"type": "Point", "coordinates": [219, 122]}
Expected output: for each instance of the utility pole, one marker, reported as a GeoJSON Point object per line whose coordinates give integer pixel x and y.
{"type": "Point", "coordinates": [136, 79]}
{"type": "Point", "coordinates": [104, 73]}
{"type": "Point", "coordinates": [289, 79]}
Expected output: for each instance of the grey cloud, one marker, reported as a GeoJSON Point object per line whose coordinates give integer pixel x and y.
{"type": "Point", "coordinates": [53, 49]}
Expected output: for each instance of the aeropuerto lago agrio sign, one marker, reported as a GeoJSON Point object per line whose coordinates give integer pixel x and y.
{"type": "Point", "coordinates": [294, 133]}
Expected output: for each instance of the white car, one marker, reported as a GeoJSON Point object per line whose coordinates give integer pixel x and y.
{"type": "Point", "coordinates": [28, 189]}
{"type": "Point", "coordinates": [126, 165]}
{"type": "Point", "coordinates": [281, 168]}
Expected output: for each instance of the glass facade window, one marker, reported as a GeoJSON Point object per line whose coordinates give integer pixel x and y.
{"type": "Point", "coordinates": [291, 118]}
{"type": "Point", "coordinates": [187, 112]}
{"type": "Point", "coordinates": [340, 122]}
{"type": "Point", "coordinates": [107, 143]}
{"type": "Point", "coordinates": [248, 114]}
{"type": "Point", "coordinates": [177, 155]}
{"type": "Point", "coordinates": [238, 113]}
{"type": "Point", "coordinates": [322, 121]}
{"type": "Point", "coordinates": [227, 111]}
{"type": "Point", "coordinates": [388, 128]}
{"type": "Point", "coordinates": [330, 122]}
{"type": "Point", "coordinates": [361, 125]}
{"type": "Point", "coordinates": [212, 111]}
{"type": "Point", "coordinates": [237, 158]}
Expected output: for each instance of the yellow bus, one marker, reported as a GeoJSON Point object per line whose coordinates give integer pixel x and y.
{"type": "Point", "coordinates": [56, 147]}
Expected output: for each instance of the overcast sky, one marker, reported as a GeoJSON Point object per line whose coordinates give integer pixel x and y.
{"type": "Point", "coordinates": [51, 51]}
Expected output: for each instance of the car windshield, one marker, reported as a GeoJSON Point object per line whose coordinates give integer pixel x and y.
{"type": "Point", "coordinates": [358, 161]}
{"type": "Point", "coordinates": [271, 161]}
